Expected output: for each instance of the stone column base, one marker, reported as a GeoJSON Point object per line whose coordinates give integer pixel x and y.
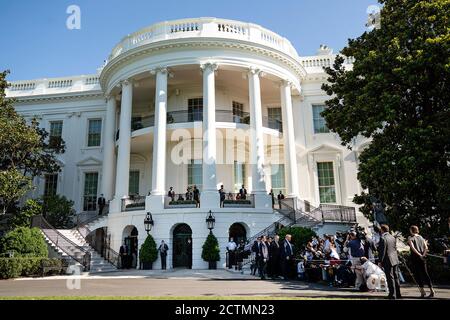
{"type": "Point", "coordinates": [154, 203]}
{"type": "Point", "coordinates": [263, 201]}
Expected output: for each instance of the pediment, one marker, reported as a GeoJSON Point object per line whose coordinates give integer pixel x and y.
{"type": "Point", "coordinates": [90, 161]}
{"type": "Point", "coordinates": [325, 148]}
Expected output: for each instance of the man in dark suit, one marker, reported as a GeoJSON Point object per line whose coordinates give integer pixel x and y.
{"type": "Point", "coordinates": [274, 257]}
{"type": "Point", "coordinates": [388, 256]}
{"type": "Point", "coordinates": [163, 248]}
{"type": "Point", "coordinates": [263, 253]}
{"type": "Point", "coordinates": [101, 204]}
{"type": "Point", "coordinates": [286, 256]}
{"type": "Point", "coordinates": [123, 252]}
{"type": "Point", "coordinates": [243, 193]}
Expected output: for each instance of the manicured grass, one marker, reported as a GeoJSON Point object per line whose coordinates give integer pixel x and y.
{"type": "Point", "coordinates": [168, 298]}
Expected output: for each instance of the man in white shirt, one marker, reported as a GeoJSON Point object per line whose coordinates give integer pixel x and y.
{"type": "Point", "coordinates": [231, 248]}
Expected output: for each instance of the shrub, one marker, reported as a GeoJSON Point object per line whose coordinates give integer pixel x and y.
{"type": "Point", "coordinates": [27, 267]}
{"type": "Point", "coordinates": [58, 211]}
{"type": "Point", "coordinates": [300, 237]}
{"type": "Point", "coordinates": [238, 201]}
{"type": "Point", "coordinates": [23, 217]}
{"type": "Point", "coordinates": [25, 242]}
{"type": "Point", "coordinates": [179, 202]}
{"type": "Point", "coordinates": [210, 249]}
{"type": "Point", "coordinates": [148, 252]}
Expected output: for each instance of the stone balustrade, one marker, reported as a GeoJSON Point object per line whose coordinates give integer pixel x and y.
{"type": "Point", "coordinates": [207, 28]}
{"type": "Point", "coordinates": [55, 85]}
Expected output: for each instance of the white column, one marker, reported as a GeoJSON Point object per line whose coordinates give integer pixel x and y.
{"type": "Point", "coordinates": [109, 157]}
{"type": "Point", "coordinates": [257, 141]}
{"type": "Point", "coordinates": [159, 134]}
{"type": "Point", "coordinates": [123, 155]}
{"type": "Point", "coordinates": [210, 196]}
{"type": "Point", "coordinates": [290, 154]}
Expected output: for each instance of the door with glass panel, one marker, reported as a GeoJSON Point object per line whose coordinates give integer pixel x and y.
{"type": "Point", "coordinates": [195, 109]}
{"type": "Point", "coordinates": [90, 191]}
{"type": "Point", "coordinates": [274, 118]}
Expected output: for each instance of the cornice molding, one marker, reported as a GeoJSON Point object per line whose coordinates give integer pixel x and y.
{"type": "Point", "coordinates": [60, 97]}
{"type": "Point", "coordinates": [115, 64]}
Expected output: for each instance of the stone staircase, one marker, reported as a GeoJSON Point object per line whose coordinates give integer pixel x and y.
{"type": "Point", "coordinates": [97, 263]}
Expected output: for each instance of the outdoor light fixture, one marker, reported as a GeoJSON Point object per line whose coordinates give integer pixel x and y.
{"type": "Point", "coordinates": [210, 221]}
{"type": "Point", "coordinates": [148, 222]}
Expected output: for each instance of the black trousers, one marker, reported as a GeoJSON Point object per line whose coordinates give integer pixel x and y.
{"type": "Point", "coordinates": [392, 280]}
{"type": "Point", "coordinates": [262, 268]}
{"type": "Point", "coordinates": [164, 261]}
{"type": "Point", "coordinates": [100, 209]}
{"type": "Point", "coordinates": [420, 271]}
{"type": "Point", "coordinates": [286, 268]}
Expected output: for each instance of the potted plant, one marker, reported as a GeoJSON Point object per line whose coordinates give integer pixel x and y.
{"type": "Point", "coordinates": [211, 251]}
{"type": "Point", "coordinates": [148, 253]}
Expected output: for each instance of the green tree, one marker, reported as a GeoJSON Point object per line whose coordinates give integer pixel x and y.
{"type": "Point", "coordinates": [148, 252]}
{"type": "Point", "coordinates": [397, 94]}
{"type": "Point", "coordinates": [210, 249]}
{"type": "Point", "coordinates": [23, 241]}
{"type": "Point", "coordinates": [13, 185]}
{"type": "Point", "coordinates": [24, 148]}
{"type": "Point", "coordinates": [22, 218]}
{"type": "Point", "coordinates": [58, 211]}
{"type": "Point", "coordinates": [300, 237]}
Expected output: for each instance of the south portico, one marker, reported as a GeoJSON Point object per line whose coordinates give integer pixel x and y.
{"type": "Point", "coordinates": [209, 195]}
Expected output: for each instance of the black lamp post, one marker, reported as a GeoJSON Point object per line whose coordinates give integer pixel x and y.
{"type": "Point", "coordinates": [148, 222]}
{"type": "Point", "coordinates": [210, 221]}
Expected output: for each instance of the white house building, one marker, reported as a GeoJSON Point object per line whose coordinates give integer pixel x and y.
{"type": "Point", "coordinates": [205, 102]}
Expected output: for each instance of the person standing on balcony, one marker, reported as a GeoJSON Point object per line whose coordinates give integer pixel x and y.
{"type": "Point", "coordinates": [101, 204]}
{"type": "Point", "coordinates": [222, 195]}
{"type": "Point", "coordinates": [280, 197]}
{"type": "Point", "coordinates": [171, 194]}
{"type": "Point", "coordinates": [273, 198]}
{"type": "Point", "coordinates": [243, 193]}
{"type": "Point", "coordinates": [163, 248]}
{"type": "Point", "coordinates": [196, 197]}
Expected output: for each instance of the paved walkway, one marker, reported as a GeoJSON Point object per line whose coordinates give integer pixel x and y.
{"type": "Point", "coordinates": [176, 283]}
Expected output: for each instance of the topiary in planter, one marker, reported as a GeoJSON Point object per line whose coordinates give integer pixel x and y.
{"type": "Point", "coordinates": [211, 251]}
{"type": "Point", "coordinates": [148, 253]}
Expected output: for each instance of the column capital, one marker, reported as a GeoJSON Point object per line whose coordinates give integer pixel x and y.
{"type": "Point", "coordinates": [160, 69]}
{"type": "Point", "coordinates": [125, 82]}
{"type": "Point", "coordinates": [256, 71]}
{"type": "Point", "coordinates": [286, 83]}
{"type": "Point", "coordinates": [209, 65]}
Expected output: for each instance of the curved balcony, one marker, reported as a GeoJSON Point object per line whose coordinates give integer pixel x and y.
{"type": "Point", "coordinates": [204, 28]}
{"type": "Point", "coordinates": [184, 116]}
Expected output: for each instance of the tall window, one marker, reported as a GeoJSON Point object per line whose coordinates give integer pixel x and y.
{"type": "Point", "coordinates": [133, 188]}
{"type": "Point", "coordinates": [327, 188]}
{"type": "Point", "coordinates": [195, 175]}
{"type": "Point", "coordinates": [274, 118]}
{"type": "Point", "coordinates": [95, 132]}
{"type": "Point", "coordinates": [55, 136]}
{"type": "Point", "coordinates": [238, 112]}
{"type": "Point", "coordinates": [277, 177]}
{"type": "Point", "coordinates": [51, 184]}
{"type": "Point", "coordinates": [195, 109]}
{"type": "Point", "coordinates": [320, 125]}
{"type": "Point", "coordinates": [90, 191]}
{"type": "Point", "coordinates": [239, 175]}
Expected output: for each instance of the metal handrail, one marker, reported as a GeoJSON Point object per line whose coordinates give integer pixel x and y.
{"type": "Point", "coordinates": [107, 253]}
{"type": "Point", "coordinates": [62, 242]}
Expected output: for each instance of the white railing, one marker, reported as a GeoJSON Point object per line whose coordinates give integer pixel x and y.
{"type": "Point", "coordinates": [53, 85]}
{"type": "Point", "coordinates": [203, 27]}
{"type": "Point", "coordinates": [323, 61]}
{"type": "Point", "coordinates": [22, 86]}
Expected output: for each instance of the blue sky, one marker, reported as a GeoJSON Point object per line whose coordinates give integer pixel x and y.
{"type": "Point", "coordinates": [37, 44]}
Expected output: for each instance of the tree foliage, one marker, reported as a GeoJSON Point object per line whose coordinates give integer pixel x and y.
{"type": "Point", "coordinates": [148, 252]}
{"type": "Point", "coordinates": [23, 217]}
{"type": "Point", "coordinates": [210, 249]}
{"type": "Point", "coordinates": [25, 148]}
{"type": "Point", "coordinates": [397, 94]}
{"type": "Point", "coordinates": [25, 242]}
